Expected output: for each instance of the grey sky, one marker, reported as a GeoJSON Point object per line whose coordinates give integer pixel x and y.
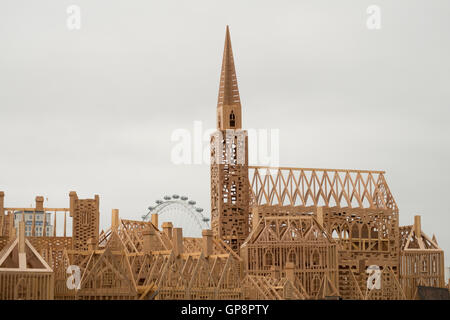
{"type": "Point", "coordinates": [93, 110]}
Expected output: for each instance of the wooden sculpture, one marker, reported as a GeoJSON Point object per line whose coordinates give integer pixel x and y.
{"type": "Point", "coordinates": [229, 160]}
{"type": "Point", "coordinates": [24, 274]}
{"type": "Point", "coordinates": [299, 240]}
{"type": "Point", "coordinates": [421, 260]}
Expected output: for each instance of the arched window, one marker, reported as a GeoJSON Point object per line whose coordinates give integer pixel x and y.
{"type": "Point", "coordinates": [316, 284]}
{"type": "Point", "coordinates": [316, 258]}
{"type": "Point", "coordinates": [365, 232]}
{"type": "Point", "coordinates": [232, 119]}
{"type": "Point", "coordinates": [355, 231]}
{"type": "Point", "coordinates": [268, 261]}
{"type": "Point", "coordinates": [20, 290]}
{"type": "Point", "coordinates": [424, 265]}
{"type": "Point", "coordinates": [292, 257]}
{"type": "Point", "coordinates": [345, 233]}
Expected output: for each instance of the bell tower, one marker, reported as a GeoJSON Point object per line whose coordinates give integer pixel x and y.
{"type": "Point", "coordinates": [229, 160]}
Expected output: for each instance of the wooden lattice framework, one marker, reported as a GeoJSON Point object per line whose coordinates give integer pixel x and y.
{"type": "Point", "coordinates": [421, 260]}
{"type": "Point", "coordinates": [256, 287]}
{"type": "Point", "coordinates": [356, 206]}
{"type": "Point", "coordinates": [229, 160]}
{"type": "Point", "coordinates": [299, 240]}
{"type": "Point", "coordinates": [277, 233]}
{"type": "Point", "coordinates": [24, 274]}
{"type": "Point", "coordinates": [309, 188]}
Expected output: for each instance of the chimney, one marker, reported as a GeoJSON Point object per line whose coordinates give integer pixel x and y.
{"type": "Point", "coordinates": [39, 203]}
{"type": "Point", "coordinates": [73, 198]}
{"type": "Point", "coordinates": [21, 237]}
{"type": "Point", "coordinates": [21, 246]}
{"type": "Point", "coordinates": [155, 219]}
{"type": "Point", "coordinates": [167, 229]}
{"type": "Point", "coordinates": [177, 241]}
{"type": "Point", "coordinates": [319, 215]}
{"type": "Point", "coordinates": [255, 217]}
{"type": "Point", "coordinates": [207, 245]}
{"type": "Point", "coordinates": [417, 226]}
{"type": "Point", "coordinates": [2, 203]}
{"type": "Point", "coordinates": [115, 219]}
{"type": "Point", "coordinates": [12, 231]}
{"type": "Point", "coordinates": [149, 240]}
{"type": "Point", "coordinates": [290, 271]}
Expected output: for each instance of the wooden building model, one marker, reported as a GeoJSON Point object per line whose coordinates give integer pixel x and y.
{"type": "Point", "coordinates": [276, 233]}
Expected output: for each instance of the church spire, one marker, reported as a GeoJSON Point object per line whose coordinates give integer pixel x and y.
{"type": "Point", "coordinates": [229, 103]}
{"type": "Point", "coordinates": [228, 90]}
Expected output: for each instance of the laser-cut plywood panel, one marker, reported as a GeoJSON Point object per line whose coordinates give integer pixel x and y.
{"type": "Point", "coordinates": [85, 221]}
{"type": "Point", "coordinates": [421, 260]}
{"type": "Point", "coordinates": [320, 187]}
{"type": "Point", "coordinates": [229, 160]}
{"type": "Point", "coordinates": [300, 240]}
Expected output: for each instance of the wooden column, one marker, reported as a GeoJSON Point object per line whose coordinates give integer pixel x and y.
{"type": "Point", "coordinates": [149, 240]}
{"type": "Point", "coordinates": [2, 204]}
{"type": "Point", "coordinates": [177, 241]}
{"type": "Point", "coordinates": [115, 220]}
{"type": "Point", "coordinates": [167, 229]}
{"type": "Point", "coordinates": [91, 244]}
{"type": "Point", "coordinates": [319, 215]}
{"type": "Point", "coordinates": [207, 242]}
{"type": "Point", "coordinates": [417, 226]}
{"type": "Point", "coordinates": [155, 219]}
{"type": "Point", "coordinates": [21, 246]}
{"type": "Point", "coordinates": [290, 271]}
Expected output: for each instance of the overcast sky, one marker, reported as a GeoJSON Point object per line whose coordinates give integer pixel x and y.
{"type": "Point", "coordinates": [93, 110]}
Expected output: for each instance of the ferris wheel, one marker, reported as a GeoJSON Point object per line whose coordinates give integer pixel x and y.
{"type": "Point", "coordinates": [182, 212]}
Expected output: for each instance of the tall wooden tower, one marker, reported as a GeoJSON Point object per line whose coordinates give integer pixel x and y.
{"type": "Point", "coordinates": [229, 160]}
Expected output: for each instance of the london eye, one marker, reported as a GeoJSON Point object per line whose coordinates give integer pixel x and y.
{"type": "Point", "coordinates": [182, 212]}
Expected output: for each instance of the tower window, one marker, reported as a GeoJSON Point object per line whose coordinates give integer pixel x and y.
{"type": "Point", "coordinates": [232, 119]}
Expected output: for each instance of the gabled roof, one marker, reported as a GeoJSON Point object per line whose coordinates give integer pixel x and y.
{"type": "Point", "coordinates": [113, 263]}
{"type": "Point", "coordinates": [29, 260]}
{"type": "Point", "coordinates": [411, 241]}
{"type": "Point", "coordinates": [282, 229]}
{"type": "Point", "coordinates": [413, 237]}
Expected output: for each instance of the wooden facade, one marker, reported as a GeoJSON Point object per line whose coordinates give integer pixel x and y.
{"type": "Point", "coordinates": [300, 240]}
{"type": "Point", "coordinates": [276, 233]}
{"type": "Point", "coordinates": [421, 260]}
{"type": "Point", "coordinates": [24, 274]}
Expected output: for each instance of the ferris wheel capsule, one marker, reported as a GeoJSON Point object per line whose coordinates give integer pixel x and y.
{"type": "Point", "coordinates": [167, 198]}
{"type": "Point", "coordinates": [199, 210]}
{"type": "Point", "coordinates": [159, 201]}
{"type": "Point", "coordinates": [184, 198]}
{"type": "Point", "coordinates": [175, 196]}
{"type": "Point", "coordinates": [192, 202]}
